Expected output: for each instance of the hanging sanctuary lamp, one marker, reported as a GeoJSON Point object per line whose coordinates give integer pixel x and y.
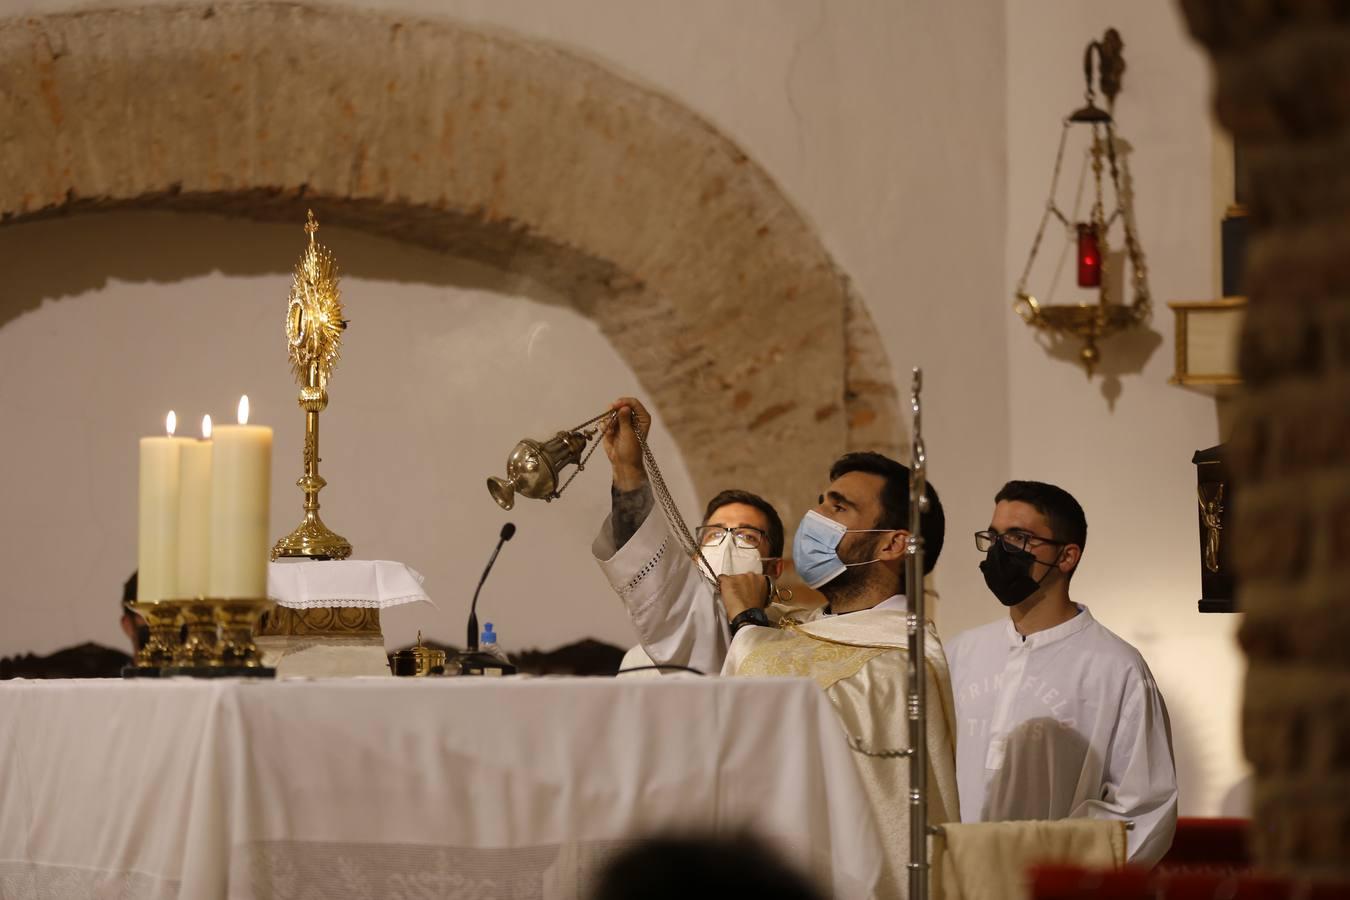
{"type": "Point", "coordinates": [1092, 239]}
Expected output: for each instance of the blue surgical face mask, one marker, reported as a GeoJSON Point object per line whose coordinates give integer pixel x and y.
{"type": "Point", "coordinates": [815, 549]}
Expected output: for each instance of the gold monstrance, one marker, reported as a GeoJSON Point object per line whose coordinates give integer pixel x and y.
{"type": "Point", "coordinates": [314, 327]}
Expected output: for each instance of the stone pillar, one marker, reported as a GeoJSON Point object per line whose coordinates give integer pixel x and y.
{"type": "Point", "coordinates": [1283, 90]}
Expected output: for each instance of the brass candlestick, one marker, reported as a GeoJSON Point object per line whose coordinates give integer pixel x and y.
{"type": "Point", "coordinates": [219, 638]}
{"type": "Point", "coordinates": [238, 619]}
{"type": "Point", "coordinates": [199, 649]}
{"type": "Point", "coordinates": [164, 621]}
{"type": "Point", "coordinates": [314, 327]}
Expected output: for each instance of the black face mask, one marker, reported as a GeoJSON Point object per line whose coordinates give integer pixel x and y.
{"type": "Point", "coordinates": [1008, 574]}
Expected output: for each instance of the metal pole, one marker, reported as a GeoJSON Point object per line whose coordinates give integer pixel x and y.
{"type": "Point", "coordinates": [917, 701]}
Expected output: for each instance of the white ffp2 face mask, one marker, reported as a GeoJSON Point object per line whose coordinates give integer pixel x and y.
{"type": "Point", "coordinates": [728, 559]}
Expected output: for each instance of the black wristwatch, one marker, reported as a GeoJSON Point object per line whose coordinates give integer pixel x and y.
{"type": "Point", "coordinates": [752, 616]}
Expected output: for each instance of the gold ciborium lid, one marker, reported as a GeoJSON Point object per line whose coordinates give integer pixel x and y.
{"type": "Point", "coordinates": [419, 661]}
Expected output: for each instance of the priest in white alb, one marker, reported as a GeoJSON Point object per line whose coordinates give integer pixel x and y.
{"type": "Point", "coordinates": [852, 548]}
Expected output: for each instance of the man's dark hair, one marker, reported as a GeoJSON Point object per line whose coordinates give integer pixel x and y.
{"type": "Point", "coordinates": [129, 592]}
{"type": "Point", "coordinates": [710, 868]}
{"type": "Point", "coordinates": [1061, 510]}
{"type": "Point", "coordinates": [759, 503]}
{"type": "Point", "coordinates": [895, 500]}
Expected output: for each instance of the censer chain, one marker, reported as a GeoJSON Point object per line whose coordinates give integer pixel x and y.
{"type": "Point", "coordinates": [668, 507]}
{"type": "Point", "coordinates": [595, 445]}
{"type": "Point", "coordinates": [673, 517]}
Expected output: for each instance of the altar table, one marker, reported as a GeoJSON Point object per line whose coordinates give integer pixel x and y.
{"type": "Point", "coordinates": [409, 788]}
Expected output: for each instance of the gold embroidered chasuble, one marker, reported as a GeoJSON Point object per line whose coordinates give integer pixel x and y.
{"type": "Point", "coordinates": [860, 660]}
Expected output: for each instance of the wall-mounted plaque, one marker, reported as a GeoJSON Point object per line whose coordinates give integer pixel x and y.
{"type": "Point", "coordinates": [1207, 333]}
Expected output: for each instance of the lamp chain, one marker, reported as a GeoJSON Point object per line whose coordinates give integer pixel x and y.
{"type": "Point", "coordinates": [1098, 211]}
{"type": "Point", "coordinates": [1050, 209]}
{"type": "Point", "coordinates": [1138, 266]}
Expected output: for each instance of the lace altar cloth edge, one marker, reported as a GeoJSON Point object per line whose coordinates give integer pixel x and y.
{"type": "Point", "coordinates": [365, 583]}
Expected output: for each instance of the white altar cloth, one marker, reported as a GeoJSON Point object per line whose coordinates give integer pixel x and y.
{"type": "Point", "coordinates": [409, 788]}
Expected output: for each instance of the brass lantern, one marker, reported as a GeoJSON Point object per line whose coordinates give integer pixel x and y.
{"type": "Point", "coordinates": [1092, 238]}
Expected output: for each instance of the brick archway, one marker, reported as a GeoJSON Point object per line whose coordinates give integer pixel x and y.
{"type": "Point", "coordinates": [506, 151]}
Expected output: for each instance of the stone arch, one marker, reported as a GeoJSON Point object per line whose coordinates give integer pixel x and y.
{"type": "Point", "coordinates": [503, 150]}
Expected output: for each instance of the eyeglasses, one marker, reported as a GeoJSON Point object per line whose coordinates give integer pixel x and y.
{"type": "Point", "coordinates": [745, 537]}
{"type": "Point", "coordinates": [1013, 541]}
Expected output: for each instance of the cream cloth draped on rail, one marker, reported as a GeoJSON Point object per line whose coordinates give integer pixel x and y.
{"type": "Point", "coordinates": [991, 860]}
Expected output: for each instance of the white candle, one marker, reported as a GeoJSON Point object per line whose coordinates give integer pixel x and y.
{"type": "Point", "coordinates": [157, 548]}
{"type": "Point", "coordinates": [194, 514]}
{"type": "Point", "coordinates": [241, 484]}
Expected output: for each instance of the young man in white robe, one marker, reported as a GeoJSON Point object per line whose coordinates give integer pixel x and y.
{"type": "Point", "coordinates": [852, 548]}
{"type": "Point", "coordinates": [1057, 717]}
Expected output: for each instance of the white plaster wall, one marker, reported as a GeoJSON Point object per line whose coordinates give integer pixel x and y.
{"type": "Point", "coordinates": [1122, 443]}
{"type": "Point", "coordinates": [883, 120]}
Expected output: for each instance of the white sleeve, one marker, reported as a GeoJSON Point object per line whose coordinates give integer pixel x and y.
{"type": "Point", "coordinates": [1140, 781]}
{"type": "Point", "coordinates": [679, 619]}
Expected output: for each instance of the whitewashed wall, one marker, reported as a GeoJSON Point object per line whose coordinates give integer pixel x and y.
{"type": "Point", "coordinates": [1122, 443]}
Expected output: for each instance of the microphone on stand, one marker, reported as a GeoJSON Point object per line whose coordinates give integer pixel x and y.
{"type": "Point", "coordinates": [508, 532]}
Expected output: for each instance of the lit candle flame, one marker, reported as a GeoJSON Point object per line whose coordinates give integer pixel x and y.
{"type": "Point", "coordinates": [206, 427]}
{"type": "Point", "coordinates": [170, 423]}
{"type": "Point", "coordinates": [243, 410]}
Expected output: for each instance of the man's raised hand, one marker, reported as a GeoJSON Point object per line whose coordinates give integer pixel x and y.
{"type": "Point", "coordinates": [621, 443]}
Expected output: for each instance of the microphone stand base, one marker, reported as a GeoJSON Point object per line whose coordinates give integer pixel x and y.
{"type": "Point", "coordinates": [483, 664]}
